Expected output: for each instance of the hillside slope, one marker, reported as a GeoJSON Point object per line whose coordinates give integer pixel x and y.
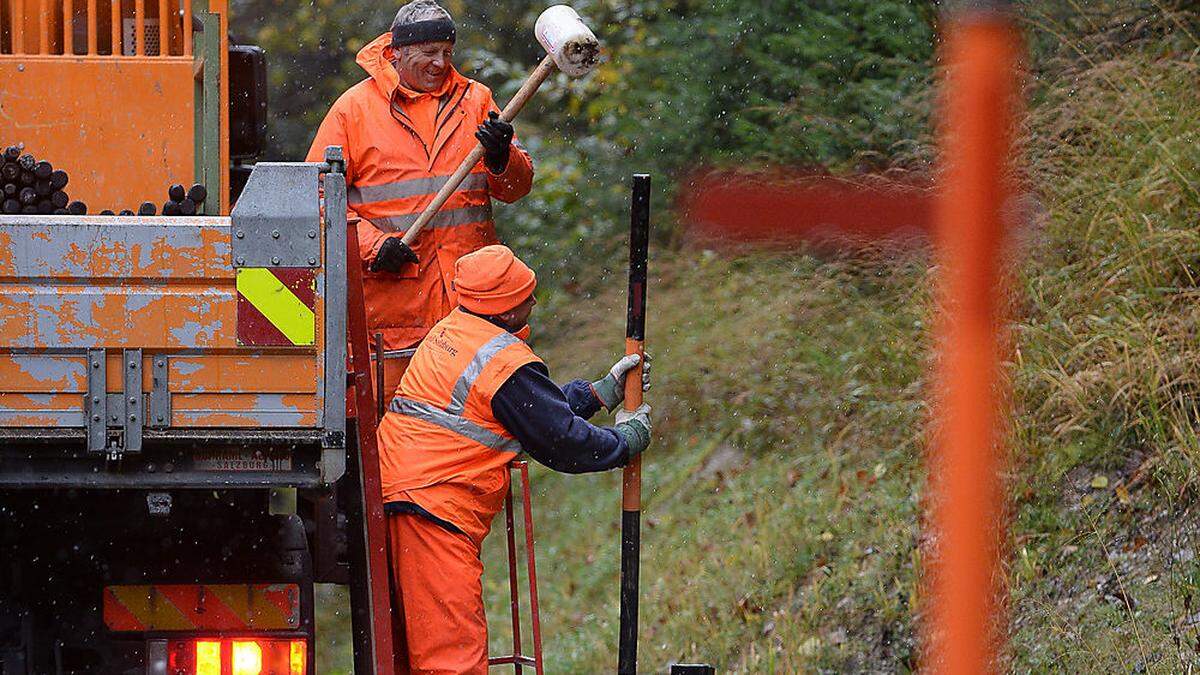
{"type": "Point", "coordinates": [783, 502]}
{"type": "Point", "coordinates": [780, 495]}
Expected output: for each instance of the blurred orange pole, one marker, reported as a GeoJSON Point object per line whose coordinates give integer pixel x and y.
{"type": "Point", "coordinates": [164, 29]}
{"type": "Point", "coordinates": [43, 28]}
{"type": "Point", "coordinates": [139, 27]}
{"type": "Point", "coordinates": [980, 101]}
{"type": "Point", "coordinates": [187, 27]}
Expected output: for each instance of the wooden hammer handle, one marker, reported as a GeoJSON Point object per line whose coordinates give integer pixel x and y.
{"type": "Point", "coordinates": [526, 92]}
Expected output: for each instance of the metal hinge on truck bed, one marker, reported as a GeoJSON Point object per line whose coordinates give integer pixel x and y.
{"type": "Point", "coordinates": [115, 420]}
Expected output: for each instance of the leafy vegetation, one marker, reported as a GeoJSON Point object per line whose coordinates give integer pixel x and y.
{"type": "Point", "coordinates": [785, 490]}
{"type": "Point", "coordinates": [783, 494]}
{"type": "Point", "coordinates": [683, 84]}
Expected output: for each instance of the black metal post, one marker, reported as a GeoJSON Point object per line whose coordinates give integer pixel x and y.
{"type": "Point", "coordinates": [631, 489]}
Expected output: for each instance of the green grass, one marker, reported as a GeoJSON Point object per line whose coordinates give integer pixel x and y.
{"type": "Point", "coordinates": [783, 495]}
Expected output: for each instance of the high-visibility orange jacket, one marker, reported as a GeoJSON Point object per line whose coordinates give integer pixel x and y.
{"type": "Point", "coordinates": [441, 446]}
{"type": "Point", "coordinates": [400, 147]}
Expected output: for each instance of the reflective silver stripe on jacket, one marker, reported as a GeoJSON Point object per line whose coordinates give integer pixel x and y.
{"type": "Point", "coordinates": [444, 218]}
{"type": "Point", "coordinates": [462, 387]}
{"type": "Point", "coordinates": [451, 422]}
{"type": "Point", "coordinates": [412, 187]}
{"type": "Point", "coordinates": [450, 418]}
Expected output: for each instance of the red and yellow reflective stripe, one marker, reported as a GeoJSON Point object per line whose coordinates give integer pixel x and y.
{"type": "Point", "coordinates": [276, 306]}
{"type": "Point", "coordinates": [170, 607]}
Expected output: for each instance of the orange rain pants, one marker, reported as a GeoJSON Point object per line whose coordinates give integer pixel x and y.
{"type": "Point", "coordinates": [438, 589]}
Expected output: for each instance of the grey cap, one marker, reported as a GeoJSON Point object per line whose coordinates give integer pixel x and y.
{"type": "Point", "coordinates": [422, 21]}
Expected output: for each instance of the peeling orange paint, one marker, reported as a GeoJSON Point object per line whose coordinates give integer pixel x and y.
{"type": "Point", "coordinates": [40, 374]}
{"type": "Point", "coordinates": [77, 257]}
{"type": "Point", "coordinates": [166, 288]}
{"type": "Point", "coordinates": [262, 373]}
{"type": "Point", "coordinates": [242, 410]}
{"type": "Point", "coordinates": [40, 410]}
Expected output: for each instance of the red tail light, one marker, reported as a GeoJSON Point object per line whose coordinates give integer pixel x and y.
{"type": "Point", "coordinates": [238, 656]}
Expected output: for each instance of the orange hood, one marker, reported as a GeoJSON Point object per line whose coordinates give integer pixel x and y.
{"type": "Point", "coordinates": [375, 58]}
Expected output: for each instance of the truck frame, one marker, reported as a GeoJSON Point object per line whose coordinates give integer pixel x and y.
{"type": "Point", "coordinates": [179, 456]}
{"type": "Point", "coordinates": [169, 469]}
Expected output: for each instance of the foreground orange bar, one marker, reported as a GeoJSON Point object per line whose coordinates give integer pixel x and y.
{"type": "Point", "coordinates": [91, 28]}
{"type": "Point", "coordinates": [139, 27]}
{"type": "Point", "coordinates": [43, 28]}
{"type": "Point", "coordinates": [980, 104]}
{"type": "Point", "coordinates": [68, 9]}
{"type": "Point", "coordinates": [187, 27]}
{"type": "Point", "coordinates": [116, 27]}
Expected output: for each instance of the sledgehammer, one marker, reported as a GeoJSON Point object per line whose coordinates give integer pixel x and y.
{"type": "Point", "coordinates": [570, 46]}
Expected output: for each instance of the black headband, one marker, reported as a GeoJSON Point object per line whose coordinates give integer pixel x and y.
{"type": "Point", "coordinates": [434, 30]}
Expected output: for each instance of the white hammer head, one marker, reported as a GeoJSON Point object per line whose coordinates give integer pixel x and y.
{"type": "Point", "coordinates": [566, 38]}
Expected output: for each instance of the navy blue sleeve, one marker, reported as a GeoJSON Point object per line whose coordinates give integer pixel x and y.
{"type": "Point", "coordinates": [542, 417]}
{"type": "Point", "coordinates": [582, 398]}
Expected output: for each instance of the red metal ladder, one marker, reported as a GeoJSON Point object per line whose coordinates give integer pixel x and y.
{"type": "Point", "coordinates": [517, 658]}
{"type": "Point", "coordinates": [370, 592]}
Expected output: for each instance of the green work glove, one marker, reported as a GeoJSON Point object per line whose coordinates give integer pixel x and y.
{"type": "Point", "coordinates": [610, 389]}
{"type": "Point", "coordinates": [634, 427]}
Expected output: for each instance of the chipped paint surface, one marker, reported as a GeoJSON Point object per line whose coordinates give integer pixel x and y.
{"type": "Point", "coordinates": [41, 372]}
{"type": "Point", "coordinates": [41, 410]}
{"type": "Point", "coordinates": [263, 373]}
{"type": "Point", "coordinates": [179, 316]}
{"type": "Point", "coordinates": [163, 285]}
{"type": "Point", "coordinates": [244, 410]}
{"type": "Point", "coordinates": [99, 247]}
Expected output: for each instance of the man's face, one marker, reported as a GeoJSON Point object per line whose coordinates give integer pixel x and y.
{"type": "Point", "coordinates": [424, 66]}
{"type": "Point", "coordinates": [518, 316]}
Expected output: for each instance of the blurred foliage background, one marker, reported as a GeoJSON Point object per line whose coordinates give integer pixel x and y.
{"type": "Point", "coordinates": [826, 84]}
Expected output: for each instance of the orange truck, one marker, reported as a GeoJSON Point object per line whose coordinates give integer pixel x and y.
{"type": "Point", "coordinates": [173, 418]}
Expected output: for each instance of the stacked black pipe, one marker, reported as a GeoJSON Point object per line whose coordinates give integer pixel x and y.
{"type": "Point", "coordinates": [33, 187]}
{"type": "Point", "coordinates": [180, 202]}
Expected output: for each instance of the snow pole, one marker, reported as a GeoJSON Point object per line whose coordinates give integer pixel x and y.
{"type": "Point", "coordinates": [631, 483]}
{"type": "Point", "coordinates": [980, 113]}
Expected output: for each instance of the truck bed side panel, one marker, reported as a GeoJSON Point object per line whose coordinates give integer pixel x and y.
{"type": "Point", "coordinates": [165, 286]}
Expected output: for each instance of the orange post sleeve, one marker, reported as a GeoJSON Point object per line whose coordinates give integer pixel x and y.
{"type": "Point", "coordinates": [979, 107]}
{"type": "Point", "coordinates": [631, 477]}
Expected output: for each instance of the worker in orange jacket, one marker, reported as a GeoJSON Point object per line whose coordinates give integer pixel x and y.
{"type": "Point", "coordinates": [403, 131]}
{"type": "Point", "coordinates": [473, 397]}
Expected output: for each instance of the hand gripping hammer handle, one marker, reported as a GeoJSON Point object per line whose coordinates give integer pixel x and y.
{"type": "Point", "coordinates": [571, 47]}
{"type": "Point", "coordinates": [526, 92]}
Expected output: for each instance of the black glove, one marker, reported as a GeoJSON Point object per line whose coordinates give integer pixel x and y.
{"type": "Point", "coordinates": [495, 135]}
{"type": "Point", "coordinates": [392, 256]}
